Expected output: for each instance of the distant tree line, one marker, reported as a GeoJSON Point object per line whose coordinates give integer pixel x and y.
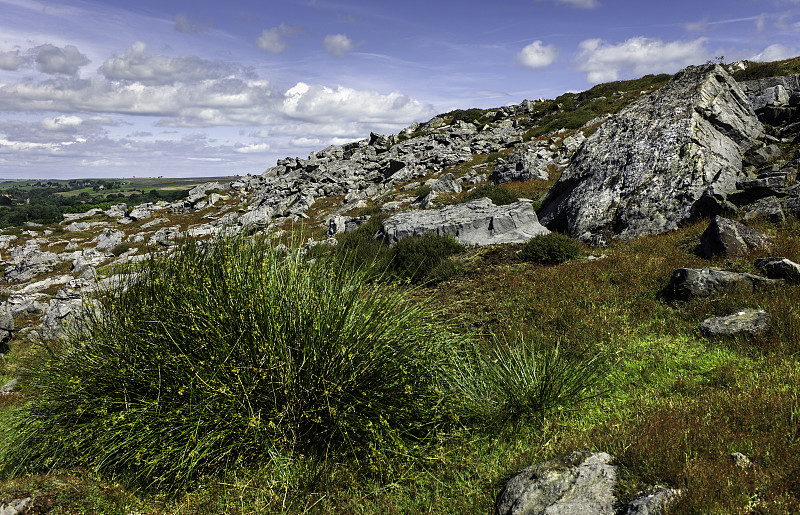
{"type": "Point", "coordinates": [41, 202]}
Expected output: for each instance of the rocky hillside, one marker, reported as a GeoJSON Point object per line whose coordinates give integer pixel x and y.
{"type": "Point", "coordinates": [624, 159]}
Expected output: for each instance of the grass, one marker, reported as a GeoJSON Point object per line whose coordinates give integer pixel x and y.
{"type": "Point", "coordinates": [233, 359]}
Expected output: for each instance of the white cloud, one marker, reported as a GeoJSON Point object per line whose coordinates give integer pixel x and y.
{"type": "Point", "coordinates": [139, 66]}
{"type": "Point", "coordinates": [11, 60]}
{"type": "Point", "coordinates": [776, 52]}
{"type": "Point", "coordinates": [537, 55]}
{"type": "Point", "coordinates": [605, 62]}
{"type": "Point", "coordinates": [60, 122]}
{"type": "Point", "coordinates": [52, 59]}
{"type": "Point", "coordinates": [274, 40]}
{"type": "Point", "coordinates": [583, 4]}
{"type": "Point", "coordinates": [250, 149]}
{"type": "Point", "coordinates": [338, 45]}
{"type": "Point", "coordinates": [306, 142]}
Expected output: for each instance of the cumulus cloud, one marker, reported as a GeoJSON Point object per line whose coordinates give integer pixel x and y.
{"type": "Point", "coordinates": [537, 55]}
{"type": "Point", "coordinates": [11, 60]}
{"type": "Point", "coordinates": [776, 52]}
{"type": "Point", "coordinates": [338, 45]}
{"type": "Point", "coordinates": [251, 149]}
{"type": "Point", "coordinates": [190, 25]}
{"type": "Point", "coordinates": [137, 65]}
{"type": "Point", "coordinates": [274, 40]}
{"type": "Point", "coordinates": [604, 61]}
{"type": "Point", "coordinates": [52, 59]}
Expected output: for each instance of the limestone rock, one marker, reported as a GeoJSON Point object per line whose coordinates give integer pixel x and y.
{"type": "Point", "coordinates": [478, 222]}
{"type": "Point", "coordinates": [725, 237]}
{"type": "Point", "coordinates": [653, 501]}
{"type": "Point", "coordinates": [139, 213]}
{"type": "Point", "coordinates": [768, 208]}
{"type": "Point", "coordinates": [746, 321]}
{"type": "Point", "coordinates": [649, 167]}
{"type": "Point", "coordinates": [109, 239]}
{"type": "Point", "coordinates": [32, 263]}
{"type": "Point", "coordinates": [779, 268]}
{"type": "Point", "coordinates": [446, 184]}
{"type": "Point", "coordinates": [578, 483]}
{"type": "Point", "coordinates": [523, 165]}
{"type": "Point", "coordinates": [703, 282]}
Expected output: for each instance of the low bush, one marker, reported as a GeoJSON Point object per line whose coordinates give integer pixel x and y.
{"type": "Point", "coordinates": [498, 195]}
{"type": "Point", "coordinates": [550, 249]}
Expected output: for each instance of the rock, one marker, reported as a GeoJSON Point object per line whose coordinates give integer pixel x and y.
{"type": "Point", "coordinates": [6, 327]}
{"type": "Point", "coordinates": [16, 506]}
{"type": "Point", "coordinates": [341, 224]}
{"type": "Point", "coordinates": [446, 184]}
{"type": "Point", "coordinates": [779, 268]}
{"type": "Point", "coordinates": [768, 208]}
{"type": "Point", "coordinates": [478, 222]}
{"type": "Point", "coordinates": [746, 321]}
{"type": "Point", "coordinates": [139, 213]}
{"type": "Point", "coordinates": [60, 318]}
{"type": "Point", "coordinates": [725, 237]}
{"type": "Point", "coordinates": [653, 501]}
{"type": "Point", "coordinates": [77, 227]}
{"type": "Point", "coordinates": [117, 211]}
{"type": "Point", "coordinates": [109, 239]}
{"type": "Point", "coordinates": [703, 282]}
{"type": "Point", "coordinates": [87, 258]}
{"type": "Point", "coordinates": [774, 98]}
{"type": "Point", "coordinates": [741, 461]}
{"type": "Point", "coordinates": [646, 169]}
{"type": "Point", "coordinates": [258, 217]}
{"type": "Point", "coordinates": [166, 236]}
{"type": "Point", "coordinates": [572, 143]}
{"type": "Point", "coordinates": [7, 388]}
{"type": "Point", "coordinates": [580, 482]}
{"type": "Point", "coordinates": [523, 165]}
{"type": "Point", "coordinates": [32, 264]}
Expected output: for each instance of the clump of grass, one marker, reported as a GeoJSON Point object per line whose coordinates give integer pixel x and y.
{"type": "Point", "coordinates": [550, 249]}
{"type": "Point", "coordinates": [230, 354]}
{"type": "Point", "coordinates": [422, 259]}
{"type": "Point", "coordinates": [498, 195]}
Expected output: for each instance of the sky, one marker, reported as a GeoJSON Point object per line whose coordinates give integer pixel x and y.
{"type": "Point", "coordinates": [151, 88]}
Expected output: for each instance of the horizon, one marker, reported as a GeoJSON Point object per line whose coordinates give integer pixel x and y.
{"type": "Point", "coordinates": [92, 89]}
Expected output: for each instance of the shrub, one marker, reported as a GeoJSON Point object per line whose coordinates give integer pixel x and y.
{"type": "Point", "coordinates": [360, 249]}
{"type": "Point", "coordinates": [550, 249]}
{"type": "Point", "coordinates": [422, 192]}
{"type": "Point", "coordinates": [499, 196]}
{"type": "Point", "coordinates": [230, 354]}
{"type": "Point", "coordinates": [121, 248]}
{"type": "Point", "coordinates": [416, 258]}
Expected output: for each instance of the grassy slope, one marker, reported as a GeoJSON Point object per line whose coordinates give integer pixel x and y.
{"type": "Point", "coordinates": [678, 404]}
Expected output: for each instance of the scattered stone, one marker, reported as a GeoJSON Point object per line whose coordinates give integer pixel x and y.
{"type": "Point", "coordinates": [741, 461]}
{"type": "Point", "coordinates": [653, 501]}
{"type": "Point", "coordinates": [580, 482]}
{"type": "Point", "coordinates": [523, 165]}
{"type": "Point", "coordinates": [768, 208]}
{"type": "Point", "coordinates": [88, 258]}
{"type": "Point", "coordinates": [656, 163]}
{"type": "Point", "coordinates": [703, 282]}
{"type": "Point", "coordinates": [478, 222]}
{"type": "Point", "coordinates": [16, 506]}
{"type": "Point", "coordinates": [746, 321]}
{"type": "Point", "coordinates": [446, 184]}
{"type": "Point", "coordinates": [109, 239]}
{"type": "Point", "coordinates": [725, 237]}
{"type": "Point", "coordinates": [779, 268]}
{"type": "Point", "coordinates": [139, 213]}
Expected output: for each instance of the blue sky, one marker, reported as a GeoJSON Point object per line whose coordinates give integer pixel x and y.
{"type": "Point", "coordinates": [199, 88]}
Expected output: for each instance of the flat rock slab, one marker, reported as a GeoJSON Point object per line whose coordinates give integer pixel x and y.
{"type": "Point", "coordinates": [744, 322]}
{"type": "Point", "coordinates": [703, 282]}
{"type": "Point", "coordinates": [725, 237]}
{"type": "Point", "coordinates": [478, 222]}
{"type": "Point", "coordinates": [578, 483]}
{"type": "Point", "coordinates": [653, 501]}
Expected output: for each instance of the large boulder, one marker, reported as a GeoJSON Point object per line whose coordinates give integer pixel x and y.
{"type": "Point", "coordinates": [703, 282]}
{"type": "Point", "coordinates": [478, 222]}
{"type": "Point", "coordinates": [779, 268]}
{"type": "Point", "coordinates": [725, 237]}
{"type": "Point", "coordinates": [523, 165]}
{"type": "Point", "coordinates": [577, 483]}
{"type": "Point", "coordinates": [669, 156]}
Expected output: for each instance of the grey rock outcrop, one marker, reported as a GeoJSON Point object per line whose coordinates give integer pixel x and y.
{"type": "Point", "coordinates": [703, 282]}
{"type": "Point", "coordinates": [6, 327]}
{"type": "Point", "coordinates": [522, 165]}
{"type": "Point", "coordinates": [746, 321]}
{"type": "Point", "coordinates": [768, 208]}
{"type": "Point", "coordinates": [725, 237]}
{"type": "Point", "coordinates": [775, 99]}
{"type": "Point", "coordinates": [109, 239]}
{"type": "Point", "coordinates": [478, 222]}
{"type": "Point", "coordinates": [779, 268]}
{"type": "Point", "coordinates": [578, 483]}
{"type": "Point", "coordinates": [33, 262]}
{"type": "Point", "coordinates": [669, 156]}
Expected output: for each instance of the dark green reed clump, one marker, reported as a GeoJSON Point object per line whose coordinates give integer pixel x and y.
{"type": "Point", "coordinates": [232, 354]}
{"type": "Point", "coordinates": [226, 353]}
